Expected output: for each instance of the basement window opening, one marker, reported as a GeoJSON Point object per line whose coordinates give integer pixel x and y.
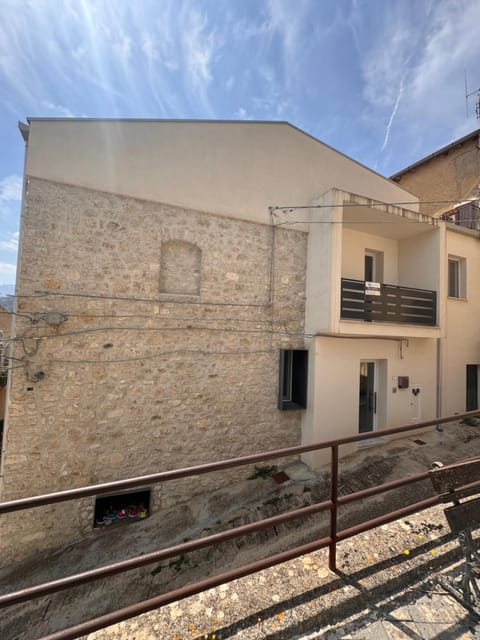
{"type": "Point", "coordinates": [120, 508]}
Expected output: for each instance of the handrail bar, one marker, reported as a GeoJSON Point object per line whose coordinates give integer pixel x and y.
{"type": "Point", "coordinates": [175, 474]}
{"type": "Point", "coordinates": [155, 556]}
{"type": "Point", "coordinates": [194, 545]}
{"type": "Point", "coordinates": [144, 606]}
{"type": "Point", "coordinates": [138, 608]}
{"type": "Point", "coordinates": [332, 504]}
{"type": "Point", "coordinates": [388, 284]}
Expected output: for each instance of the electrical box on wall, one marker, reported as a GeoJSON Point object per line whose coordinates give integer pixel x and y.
{"type": "Point", "coordinates": [403, 382]}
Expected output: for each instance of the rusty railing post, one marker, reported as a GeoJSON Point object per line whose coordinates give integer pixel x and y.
{"type": "Point", "coordinates": [332, 550]}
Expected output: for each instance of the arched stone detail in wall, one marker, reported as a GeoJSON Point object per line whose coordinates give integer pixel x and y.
{"type": "Point", "coordinates": [180, 268]}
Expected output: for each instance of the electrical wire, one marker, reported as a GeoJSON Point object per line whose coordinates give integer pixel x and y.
{"type": "Point", "coordinates": [43, 294]}
{"type": "Point", "coordinates": [38, 339]}
{"type": "Point", "coordinates": [161, 329]}
{"type": "Point", "coordinates": [279, 224]}
{"type": "Point", "coordinates": [377, 203]}
{"type": "Point", "coordinates": [32, 315]}
{"type": "Point", "coordinates": [158, 354]}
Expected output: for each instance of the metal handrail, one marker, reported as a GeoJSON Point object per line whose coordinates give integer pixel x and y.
{"type": "Point", "coordinates": [164, 476]}
{"type": "Point", "coordinates": [330, 541]}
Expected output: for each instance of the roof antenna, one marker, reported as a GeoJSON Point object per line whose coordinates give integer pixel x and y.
{"type": "Point", "coordinates": [469, 95]}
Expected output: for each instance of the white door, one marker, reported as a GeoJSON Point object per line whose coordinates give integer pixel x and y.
{"type": "Point", "coordinates": [416, 403]}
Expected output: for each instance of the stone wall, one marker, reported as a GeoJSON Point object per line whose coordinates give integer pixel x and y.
{"type": "Point", "coordinates": [5, 333]}
{"type": "Point", "coordinates": [448, 178]}
{"type": "Point", "coordinates": [124, 372]}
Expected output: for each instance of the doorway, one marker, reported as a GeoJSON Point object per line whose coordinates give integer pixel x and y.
{"type": "Point", "coordinates": [367, 397]}
{"type": "Point", "coordinates": [472, 387]}
{"type": "Point", "coordinates": [373, 266]}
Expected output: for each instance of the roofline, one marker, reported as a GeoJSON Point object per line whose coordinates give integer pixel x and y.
{"type": "Point", "coordinates": [213, 121]}
{"type": "Point", "coordinates": [439, 152]}
{"type": "Point", "coordinates": [199, 120]}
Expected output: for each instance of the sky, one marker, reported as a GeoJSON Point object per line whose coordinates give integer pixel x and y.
{"type": "Point", "coordinates": [383, 81]}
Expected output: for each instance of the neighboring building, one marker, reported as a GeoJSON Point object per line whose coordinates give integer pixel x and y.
{"type": "Point", "coordinates": [445, 179]}
{"type": "Point", "coordinates": [176, 307]}
{"type": "Point", "coordinates": [447, 183]}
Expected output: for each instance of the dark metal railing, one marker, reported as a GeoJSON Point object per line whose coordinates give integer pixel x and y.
{"type": "Point", "coordinates": [466, 215]}
{"type": "Point", "coordinates": [334, 536]}
{"type": "Point", "coordinates": [379, 302]}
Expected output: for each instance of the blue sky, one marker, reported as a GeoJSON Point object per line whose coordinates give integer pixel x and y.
{"type": "Point", "coordinates": [380, 80]}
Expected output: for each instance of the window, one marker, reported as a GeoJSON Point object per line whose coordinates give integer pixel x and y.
{"type": "Point", "coordinates": [456, 277]}
{"type": "Point", "coordinates": [292, 392]}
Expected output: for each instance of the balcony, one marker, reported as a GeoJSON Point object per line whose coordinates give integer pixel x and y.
{"type": "Point", "coordinates": [378, 302]}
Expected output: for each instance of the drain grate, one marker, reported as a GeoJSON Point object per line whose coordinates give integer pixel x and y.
{"type": "Point", "coordinates": [420, 442]}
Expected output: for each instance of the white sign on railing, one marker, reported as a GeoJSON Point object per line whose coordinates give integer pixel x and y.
{"type": "Point", "coordinates": [372, 288]}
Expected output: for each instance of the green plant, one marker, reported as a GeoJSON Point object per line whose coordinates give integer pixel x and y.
{"type": "Point", "coordinates": [276, 500]}
{"type": "Point", "coordinates": [263, 472]}
{"type": "Point", "coordinates": [154, 572]}
{"type": "Point", "coordinates": [180, 563]}
{"type": "Point", "coordinates": [273, 502]}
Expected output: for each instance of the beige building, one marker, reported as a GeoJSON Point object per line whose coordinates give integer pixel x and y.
{"type": "Point", "coordinates": [447, 183]}
{"type": "Point", "coordinates": [191, 291]}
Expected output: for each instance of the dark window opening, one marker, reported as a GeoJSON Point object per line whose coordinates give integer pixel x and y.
{"type": "Point", "coordinates": [293, 379]}
{"type": "Point", "coordinates": [453, 279]}
{"type": "Point", "coordinates": [457, 278]}
{"type": "Point", "coordinates": [472, 387]}
{"type": "Point", "coordinates": [122, 507]}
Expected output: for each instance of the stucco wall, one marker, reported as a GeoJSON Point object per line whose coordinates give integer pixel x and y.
{"type": "Point", "coordinates": [251, 165]}
{"type": "Point", "coordinates": [421, 260]}
{"type": "Point", "coordinates": [135, 381]}
{"type": "Point", "coordinates": [462, 343]}
{"type": "Point", "coordinates": [354, 246]}
{"type": "Point", "coordinates": [334, 383]}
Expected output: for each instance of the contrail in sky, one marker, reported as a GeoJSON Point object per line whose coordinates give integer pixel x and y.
{"type": "Point", "coordinates": [392, 116]}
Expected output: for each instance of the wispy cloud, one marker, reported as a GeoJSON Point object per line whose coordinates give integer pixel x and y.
{"type": "Point", "coordinates": [150, 47]}
{"type": "Point", "coordinates": [289, 25]}
{"type": "Point", "coordinates": [7, 272]}
{"type": "Point", "coordinates": [58, 109]}
{"type": "Point", "coordinates": [11, 188]}
{"type": "Point", "coordinates": [122, 48]}
{"type": "Point", "coordinates": [412, 72]}
{"type": "Point", "coordinates": [201, 44]}
{"type": "Point", "coordinates": [383, 80]}
{"type": "Point", "coordinates": [10, 243]}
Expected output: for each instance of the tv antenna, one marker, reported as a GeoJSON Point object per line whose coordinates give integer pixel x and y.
{"type": "Point", "coordinates": [469, 95]}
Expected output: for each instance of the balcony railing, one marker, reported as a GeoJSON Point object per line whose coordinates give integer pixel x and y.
{"type": "Point", "coordinates": [335, 503]}
{"type": "Point", "coordinates": [378, 302]}
{"type": "Point", "coordinates": [466, 215]}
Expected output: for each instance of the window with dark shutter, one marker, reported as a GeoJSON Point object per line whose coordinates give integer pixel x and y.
{"type": "Point", "coordinates": [292, 391]}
